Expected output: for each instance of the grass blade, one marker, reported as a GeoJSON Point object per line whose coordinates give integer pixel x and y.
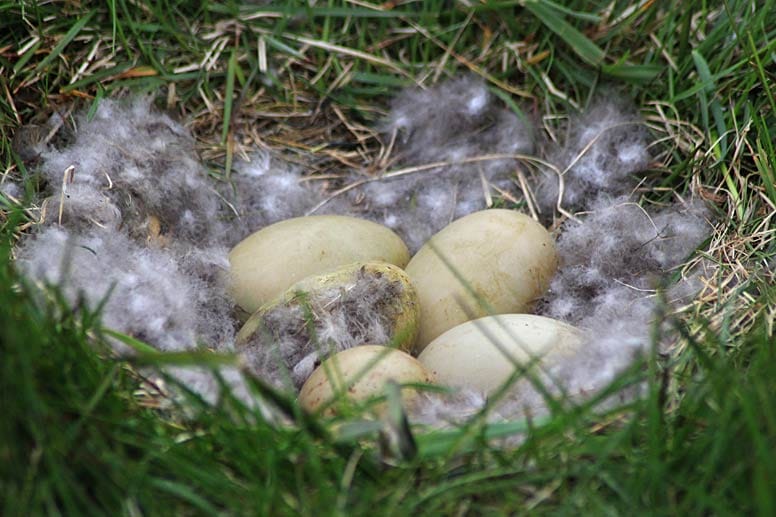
{"type": "Point", "coordinates": [65, 41]}
{"type": "Point", "coordinates": [229, 95]}
{"type": "Point", "coordinates": [579, 43]}
{"type": "Point", "coordinates": [763, 159]}
{"type": "Point", "coordinates": [633, 73]}
{"type": "Point", "coordinates": [186, 493]}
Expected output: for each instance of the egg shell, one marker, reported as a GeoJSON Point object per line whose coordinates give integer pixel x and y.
{"type": "Point", "coordinates": [269, 261]}
{"type": "Point", "coordinates": [359, 374]}
{"type": "Point", "coordinates": [398, 309]}
{"type": "Point", "coordinates": [482, 354]}
{"type": "Point", "coordinates": [490, 262]}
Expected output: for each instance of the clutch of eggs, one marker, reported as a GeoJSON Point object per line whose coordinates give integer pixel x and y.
{"type": "Point", "coordinates": [489, 262]}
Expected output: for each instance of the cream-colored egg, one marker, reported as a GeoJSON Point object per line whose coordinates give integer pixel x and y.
{"type": "Point", "coordinates": [489, 262]}
{"type": "Point", "coordinates": [482, 354]}
{"type": "Point", "coordinates": [359, 374]}
{"type": "Point", "coordinates": [269, 261]}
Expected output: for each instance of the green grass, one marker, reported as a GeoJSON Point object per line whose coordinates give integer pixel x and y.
{"type": "Point", "coordinates": [76, 436]}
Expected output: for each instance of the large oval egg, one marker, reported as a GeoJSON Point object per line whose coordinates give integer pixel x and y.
{"type": "Point", "coordinates": [490, 262]}
{"type": "Point", "coordinates": [351, 299]}
{"type": "Point", "coordinates": [483, 354]}
{"type": "Point", "coordinates": [364, 302]}
{"type": "Point", "coordinates": [359, 374]}
{"type": "Point", "coordinates": [269, 261]}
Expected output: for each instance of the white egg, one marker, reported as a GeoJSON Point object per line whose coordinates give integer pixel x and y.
{"type": "Point", "coordinates": [483, 354]}
{"type": "Point", "coordinates": [489, 262]}
{"type": "Point", "coordinates": [359, 374]}
{"type": "Point", "coordinates": [384, 292]}
{"type": "Point", "coordinates": [271, 260]}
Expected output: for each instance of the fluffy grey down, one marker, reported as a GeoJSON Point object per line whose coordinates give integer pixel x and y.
{"type": "Point", "coordinates": [132, 215]}
{"type": "Point", "coordinates": [614, 257]}
{"type": "Point", "coordinates": [296, 336]}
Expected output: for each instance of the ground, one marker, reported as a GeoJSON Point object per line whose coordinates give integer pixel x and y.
{"type": "Point", "coordinates": [83, 434]}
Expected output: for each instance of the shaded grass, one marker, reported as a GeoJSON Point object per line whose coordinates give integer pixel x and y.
{"type": "Point", "coordinates": [77, 438]}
